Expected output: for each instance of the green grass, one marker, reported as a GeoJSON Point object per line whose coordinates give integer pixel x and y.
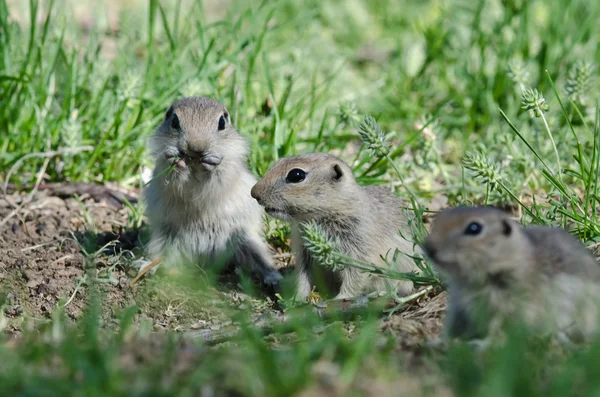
{"type": "Point", "coordinates": [450, 95]}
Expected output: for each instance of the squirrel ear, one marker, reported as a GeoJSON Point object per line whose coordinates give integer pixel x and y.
{"type": "Point", "coordinates": [338, 172]}
{"type": "Point", "coordinates": [227, 116]}
{"type": "Point", "coordinates": [506, 228]}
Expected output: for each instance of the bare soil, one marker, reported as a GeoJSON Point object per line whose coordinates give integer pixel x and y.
{"type": "Point", "coordinates": [42, 261]}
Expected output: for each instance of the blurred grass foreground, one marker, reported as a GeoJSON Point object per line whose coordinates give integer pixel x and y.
{"type": "Point", "coordinates": [481, 102]}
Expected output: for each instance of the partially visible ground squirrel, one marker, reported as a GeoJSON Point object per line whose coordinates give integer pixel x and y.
{"type": "Point", "coordinates": [497, 269]}
{"type": "Point", "coordinates": [202, 211]}
{"type": "Point", "coordinates": [364, 220]}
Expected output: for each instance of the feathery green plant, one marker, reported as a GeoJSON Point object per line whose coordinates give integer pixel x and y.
{"type": "Point", "coordinates": [535, 103]}
{"type": "Point", "coordinates": [348, 113]}
{"type": "Point", "coordinates": [485, 171]}
{"type": "Point", "coordinates": [373, 137]}
{"type": "Point", "coordinates": [518, 73]}
{"type": "Point", "coordinates": [580, 80]}
{"type": "Point", "coordinates": [324, 249]}
{"type": "Point", "coordinates": [320, 245]}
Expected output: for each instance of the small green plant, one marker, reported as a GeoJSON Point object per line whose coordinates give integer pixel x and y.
{"type": "Point", "coordinates": [534, 103]}
{"type": "Point", "coordinates": [373, 137]}
{"type": "Point", "coordinates": [348, 113]}
{"type": "Point", "coordinates": [320, 245]}
{"type": "Point", "coordinates": [518, 73]}
{"type": "Point", "coordinates": [580, 80]}
{"type": "Point", "coordinates": [487, 172]}
{"type": "Point", "coordinates": [325, 250]}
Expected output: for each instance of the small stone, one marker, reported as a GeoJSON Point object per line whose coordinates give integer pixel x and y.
{"type": "Point", "coordinates": [41, 289]}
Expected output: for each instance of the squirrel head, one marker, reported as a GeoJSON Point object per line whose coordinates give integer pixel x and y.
{"type": "Point", "coordinates": [307, 187]}
{"type": "Point", "coordinates": [197, 137]}
{"type": "Point", "coordinates": [478, 245]}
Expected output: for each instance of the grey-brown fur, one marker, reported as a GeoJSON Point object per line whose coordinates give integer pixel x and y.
{"type": "Point", "coordinates": [540, 275]}
{"type": "Point", "coordinates": [202, 212]}
{"type": "Point", "coordinates": [364, 220]}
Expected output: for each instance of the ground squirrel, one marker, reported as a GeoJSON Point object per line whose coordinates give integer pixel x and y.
{"type": "Point", "coordinates": [364, 220]}
{"type": "Point", "coordinates": [202, 211]}
{"type": "Point", "coordinates": [497, 269]}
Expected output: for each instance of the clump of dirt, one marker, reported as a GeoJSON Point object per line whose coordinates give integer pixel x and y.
{"type": "Point", "coordinates": [419, 323]}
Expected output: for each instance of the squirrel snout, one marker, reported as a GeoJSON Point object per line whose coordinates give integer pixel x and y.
{"type": "Point", "coordinates": [255, 195]}
{"type": "Point", "coordinates": [209, 160]}
{"type": "Point", "coordinates": [429, 249]}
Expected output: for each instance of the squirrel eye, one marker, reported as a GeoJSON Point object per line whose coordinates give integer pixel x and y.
{"type": "Point", "coordinates": [221, 123]}
{"type": "Point", "coordinates": [175, 122]}
{"type": "Point", "coordinates": [473, 229]}
{"type": "Point", "coordinates": [295, 176]}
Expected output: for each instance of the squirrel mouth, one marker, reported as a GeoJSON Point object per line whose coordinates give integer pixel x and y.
{"type": "Point", "coordinates": [208, 161]}
{"type": "Point", "coordinates": [211, 161]}
{"type": "Point", "coordinates": [277, 213]}
{"type": "Point", "coordinates": [445, 266]}
{"type": "Point", "coordinates": [177, 161]}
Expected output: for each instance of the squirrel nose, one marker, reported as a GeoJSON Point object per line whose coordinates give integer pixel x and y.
{"type": "Point", "coordinates": [195, 154]}
{"type": "Point", "coordinates": [254, 194]}
{"type": "Point", "coordinates": [429, 249]}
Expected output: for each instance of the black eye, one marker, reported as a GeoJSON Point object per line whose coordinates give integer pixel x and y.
{"type": "Point", "coordinates": [175, 122]}
{"type": "Point", "coordinates": [473, 229]}
{"type": "Point", "coordinates": [295, 176]}
{"type": "Point", "coordinates": [221, 123]}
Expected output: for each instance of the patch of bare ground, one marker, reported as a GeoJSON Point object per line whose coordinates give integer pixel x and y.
{"type": "Point", "coordinates": [42, 243]}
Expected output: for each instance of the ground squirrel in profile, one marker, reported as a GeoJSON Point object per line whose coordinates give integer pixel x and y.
{"type": "Point", "coordinates": [365, 221]}
{"type": "Point", "coordinates": [498, 270]}
{"type": "Point", "coordinates": [202, 211]}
